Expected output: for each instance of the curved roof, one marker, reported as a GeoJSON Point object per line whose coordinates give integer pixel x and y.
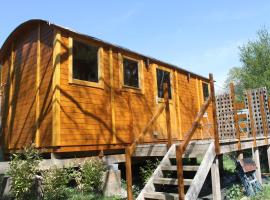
{"type": "Point", "coordinates": [31, 22]}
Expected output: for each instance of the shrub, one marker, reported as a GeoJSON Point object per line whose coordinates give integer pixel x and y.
{"type": "Point", "coordinates": [92, 175]}
{"type": "Point", "coordinates": [235, 192]}
{"type": "Point", "coordinates": [22, 170]}
{"type": "Point", "coordinates": [147, 170]}
{"type": "Point", "coordinates": [55, 182]}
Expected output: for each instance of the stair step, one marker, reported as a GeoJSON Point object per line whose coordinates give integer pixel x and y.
{"type": "Point", "coordinates": [161, 195]}
{"type": "Point", "coordinates": [185, 168]}
{"type": "Point", "coordinates": [170, 181]}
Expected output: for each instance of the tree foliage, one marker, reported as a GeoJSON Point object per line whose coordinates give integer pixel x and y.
{"type": "Point", "coordinates": [255, 69]}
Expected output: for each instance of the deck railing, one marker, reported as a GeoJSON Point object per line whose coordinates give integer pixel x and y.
{"type": "Point", "coordinates": [239, 118]}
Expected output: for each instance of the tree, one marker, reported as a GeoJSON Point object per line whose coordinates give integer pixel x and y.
{"type": "Point", "coordinates": [255, 69]}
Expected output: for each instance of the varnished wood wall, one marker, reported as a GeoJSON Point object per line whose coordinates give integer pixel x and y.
{"type": "Point", "coordinates": [43, 105]}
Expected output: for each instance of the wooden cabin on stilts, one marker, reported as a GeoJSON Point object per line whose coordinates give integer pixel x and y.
{"type": "Point", "coordinates": [74, 95]}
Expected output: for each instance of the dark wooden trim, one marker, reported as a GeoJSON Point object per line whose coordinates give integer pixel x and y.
{"type": "Point", "coordinates": [168, 115]}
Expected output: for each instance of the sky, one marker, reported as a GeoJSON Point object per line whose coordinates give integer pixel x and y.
{"type": "Point", "coordinates": [201, 36]}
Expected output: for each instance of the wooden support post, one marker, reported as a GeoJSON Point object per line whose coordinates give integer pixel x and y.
{"type": "Point", "coordinates": [128, 174]}
{"type": "Point", "coordinates": [215, 177]}
{"type": "Point", "coordinates": [235, 116]}
{"type": "Point", "coordinates": [268, 157]}
{"type": "Point", "coordinates": [264, 117]}
{"type": "Point", "coordinates": [213, 97]}
{"type": "Point", "coordinates": [252, 123]}
{"type": "Point", "coordinates": [168, 115]}
{"type": "Point", "coordinates": [180, 174]}
{"type": "Point", "coordinates": [256, 158]}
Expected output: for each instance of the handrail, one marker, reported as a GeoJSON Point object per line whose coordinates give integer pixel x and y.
{"type": "Point", "coordinates": [131, 148]}
{"type": "Point", "coordinates": [180, 149]}
{"type": "Point", "coordinates": [195, 124]}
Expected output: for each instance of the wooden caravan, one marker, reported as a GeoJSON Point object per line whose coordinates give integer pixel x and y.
{"type": "Point", "coordinates": [66, 91]}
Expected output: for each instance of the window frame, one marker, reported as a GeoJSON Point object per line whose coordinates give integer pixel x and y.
{"type": "Point", "coordinates": [202, 86]}
{"type": "Point", "coordinates": [140, 74]}
{"type": "Point", "coordinates": [100, 83]}
{"type": "Point", "coordinates": [160, 99]}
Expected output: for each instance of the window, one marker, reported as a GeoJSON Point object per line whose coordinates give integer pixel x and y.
{"type": "Point", "coordinates": [163, 77]}
{"type": "Point", "coordinates": [85, 62]}
{"type": "Point", "coordinates": [205, 91]}
{"type": "Point", "coordinates": [131, 73]}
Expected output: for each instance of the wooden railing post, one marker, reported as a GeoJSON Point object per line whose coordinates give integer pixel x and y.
{"type": "Point", "coordinates": [213, 97]}
{"type": "Point", "coordinates": [180, 174]}
{"type": "Point", "coordinates": [252, 123]}
{"type": "Point", "coordinates": [235, 116]}
{"type": "Point", "coordinates": [264, 123]}
{"type": "Point", "coordinates": [128, 173]}
{"type": "Point", "coordinates": [168, 116]}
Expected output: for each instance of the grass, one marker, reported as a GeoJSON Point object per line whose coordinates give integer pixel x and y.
{"type": "Point", "coordinates": [76, 195]}
{"type": "Point", "coordinates": [265, 194]}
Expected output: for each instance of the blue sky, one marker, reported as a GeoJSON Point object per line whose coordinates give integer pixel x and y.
{"type": "Point", "coordinates": [201, 36]}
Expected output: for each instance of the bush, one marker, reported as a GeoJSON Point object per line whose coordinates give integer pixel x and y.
{"type": "Point", "coordinates": [92, 175]}
{"type": "Point", "coordinates": [55, 182]}
{"type": "Point", "coordinates": [235, 192]}
{"type": "Point", "coordinates": [22, 170]}
{"type": "Point", "coordinates": [147, 170]}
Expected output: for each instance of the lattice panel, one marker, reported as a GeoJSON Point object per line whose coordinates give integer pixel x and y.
{"type": "Point", "coordinates": [255, 104]}
{"type": "Point", "coordinates": [225, 116]}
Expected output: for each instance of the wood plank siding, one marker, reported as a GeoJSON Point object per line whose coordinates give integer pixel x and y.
{"type": "Point", "coordinates": [42, 100]}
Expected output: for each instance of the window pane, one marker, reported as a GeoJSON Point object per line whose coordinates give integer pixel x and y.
{"type": "Point", "coordinates": [163, 77]}
{"type": "Point", "coordinates": [85, 62]}
{"type": "Point", "coordinates": [205, 91]}
{"type": "Point", "coordinates": [131, 73]}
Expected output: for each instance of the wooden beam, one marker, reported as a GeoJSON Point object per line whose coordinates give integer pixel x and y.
{"type": "Point", "coordinates": [215, 177]}
{"type": "Point", "coordinates": [178, 109]}
{"type": "Point", "coordinates": [56, 90]}
{"type": "Point", "coordinates": [213, 98]}
{"type": "Point", "coordinates": [235, 116]}
{"type": "Point", "coordinates": [10, 100]}
{"type": "Point", "coordinates": [168, 114]}
{"type": "Point", "coordinates": [180, 174]}
{"type": "Point", "coordinates": [128, 173]}
{"type": "Point", "coordinates": [70, 59]}
{"type": "Point", "coordinates": [256, 158]}
{"type": "Point", "coordinates": [198, 90]}
{"type": "Point", "coordinates": [252, 123]}
{"type": "Point", "coordinates": [264, 118]}
{"type": "Point", "coordinates": [112, 96]}
{"type": "Point", "coordinates": [37, 137]}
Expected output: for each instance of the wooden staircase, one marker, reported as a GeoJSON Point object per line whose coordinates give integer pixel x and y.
{"type": "Point", "coordinates": [163, 183]}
